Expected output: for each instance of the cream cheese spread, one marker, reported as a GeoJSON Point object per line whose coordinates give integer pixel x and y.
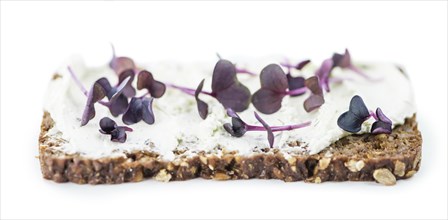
{"type": "Point", "coordinates": [178, 125]}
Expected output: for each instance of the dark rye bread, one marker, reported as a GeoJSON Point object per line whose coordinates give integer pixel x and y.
{"type": "Point", "coordinates": [382, 158]}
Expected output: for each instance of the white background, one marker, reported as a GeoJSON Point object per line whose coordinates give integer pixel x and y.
{"type": "Point", "coordinates": [37, 37]}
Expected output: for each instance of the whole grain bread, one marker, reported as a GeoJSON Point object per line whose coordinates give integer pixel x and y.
{"type": "Point", "coordinates": [383, 158]}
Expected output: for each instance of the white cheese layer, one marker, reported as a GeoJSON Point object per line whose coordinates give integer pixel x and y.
{"type": "Point", "coordinates": [179, 127]}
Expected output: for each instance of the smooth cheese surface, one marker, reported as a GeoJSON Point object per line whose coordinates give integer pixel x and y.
{"type": "Point", "coordinates": [179, 127]}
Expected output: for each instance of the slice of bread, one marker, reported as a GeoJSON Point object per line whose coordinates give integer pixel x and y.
{"type": "Point", "coordinates": [180, 145]}
{"type": "Point", "coordinates": [384, 158]}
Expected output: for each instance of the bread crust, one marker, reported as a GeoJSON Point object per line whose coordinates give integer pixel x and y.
{"type": "Point", "coordinates": [384, 158]}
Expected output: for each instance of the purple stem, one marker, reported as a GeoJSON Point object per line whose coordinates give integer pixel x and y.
{"type": "Point", "coordinates": [241, 70]}
{"type": "Point", "coordinates": [361, 73]}
{"type": "Point", "coordinates": [358, 71]}
{"type": "Point", "coordinates": [334, 79]}
{"type": "Point", "coordinates": [81, 86]}
{"type": "Point", "coordinates": [373, 115]}
{"type": "Point", "coordinates": [126, 128]}
{"type": "Point", "coordinates": [76, 79]}
{"type": "Point", "coordinates": [188, 91]}
{"type": "Point", "coordinates": [255, 128]}
{"type": "Point", "coordinates": [298, 91]}
{"type": "Point", "coordinates": [287, 65]}
{"type": "Point", "coordinates": [278, 128]}
{"type": "Point", "coordinates": [113, 51]}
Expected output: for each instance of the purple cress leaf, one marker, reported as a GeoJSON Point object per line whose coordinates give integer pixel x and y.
{"type": "Point", "coordinates": [313, 102]}
{"type": "Point", "coordinates": [103, 82]}
{"type": "Point", "coordinates": [155, 88]}
{"type": "Point", "coordinates": [273, 77]}
{"type": "Point", "coordinates": [352, 120]}
{"type": "Point", "coordinates": [316, 99]}
{"type": "Point", "coordinates": [128, 90]}
{"type": "Point", "coordinates": [383, 125]}
{"type": "Point", "coordinates": [118, 103]}
{"type": "Point", "coordinates": [295, 83]}
{"type": "Point", "coordinates": [118, 133]}
{"type": "Point", "coordinates": [107, 125]}
{"type": "Point", "coordinates": [139, 109]}
{"type": "Point", "coordinates": [120, 88]}
{"type": "Point", "coordinates": [224, 76]}
{"type": "Point", "coordinates": [382, 117]}
{"type": "Point", "coordinates": [227, 89]}
{"type": "Point", "coordinates": [120, 64]}
{"type": "Point", "coordinates": [380, 127]}
{"type": "Point", "coordinates": [268, 99]}
{"type": "Point", "coordinates": [147, 112]}
{"type": "Point", "coordinates": [358, 108]}
{"type": "Point", "coordinates": [238, 127]}
{"type": "Point", "coordinates": [302, 64]}
{"type": "Point", "coordinates": [237, 97]}
{"type": "Point", "coordinates": [134, 112]}
{"type": "Point", "coordinates": [202, 106]}
{"type": "Point", "coordinates": [95, 94]}
{"type": "Point", "coordinates": [342, 60]}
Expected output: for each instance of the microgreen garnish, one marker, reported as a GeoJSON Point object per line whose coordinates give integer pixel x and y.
{"type": "Point", "coordinates": [274, 87]}
{"type": "Point", "coordinates": [117, 133]}
{"type": "Point", "coordinates": [323, 73]}
{"type": "Point", "coordinates": [268, 99]}
{"type": "Point", "coordinates": [382, 124]}
{"type": "Point", "coordinates": [344, 61]}
{"type": "Point", "coordinates": [128, 90]}
{"type": "Point", "coordinates": [353, 119]}
{"type": "Point", "coordinates": [95, 94]}
{"type": "Point", "coordinates": [139, 109]}
{"type": "Point", "coordinates": [337, 60]}
{"type": "Point", "coordinates": [117, 104]}
{"type": "Point", "coordinates": [202, 106]}
{"type": "Point", "coordinates": [226, 88]}
{"type": "Point", "coordinates": [238, 127]}
{"type": "Point", "coordinates": [357, 113]}
{"type": "Point", "coordinates": [316, 98]}
{"type": "Point", "coordinates": [295, 82]}
{"type": "Point", "coordinates": [155, 88]}
{"type": "Point", "coordinates": [298, 66]}
{"type": "Point", "coordinates": [120, 64]}
{"type": "Point", "coordinates": [230, 92]}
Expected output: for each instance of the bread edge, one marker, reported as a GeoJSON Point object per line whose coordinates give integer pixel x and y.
{"type": "Point", "coordinates": [317, 168]}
